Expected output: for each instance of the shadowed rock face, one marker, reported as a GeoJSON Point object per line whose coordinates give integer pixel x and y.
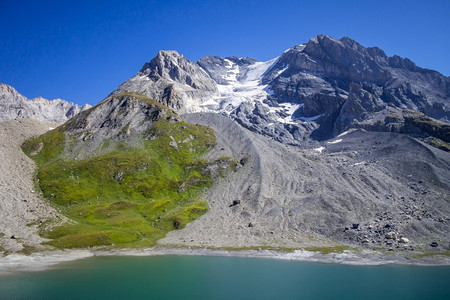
{"type": "Point", "coordinates": [353, 86]}
{"type": "Point", "coordinates": [13, 105]}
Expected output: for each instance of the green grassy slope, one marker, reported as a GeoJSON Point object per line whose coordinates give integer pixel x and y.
{"type": "Point", "coordinates": [129, 197]}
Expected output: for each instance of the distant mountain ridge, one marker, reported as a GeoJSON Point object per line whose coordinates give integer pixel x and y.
{"type": "Point", "coordinates": [13, 105]}
{"type": "Point", "coordinates": [314, 90]}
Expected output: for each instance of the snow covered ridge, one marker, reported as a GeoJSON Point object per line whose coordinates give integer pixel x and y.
{"type": "Point", "coordinates": [186, 86]}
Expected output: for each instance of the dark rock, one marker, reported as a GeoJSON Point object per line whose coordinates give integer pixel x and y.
{"type": "Point", "coordinates": [176, 224]}
{"type": "Point", "coordinates": [355, 226]}
{"type": "Point", "coordinates": [434, 244]}
{"type": "Point", "coordinates": [235, 202]}
{"type": "Point", "coordinates": [250, 224]}
{"type": "Point", "coordinates": [13, 237]}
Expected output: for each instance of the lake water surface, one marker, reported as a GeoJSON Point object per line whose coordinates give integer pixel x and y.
{"type": "Point", "coordinates": [203, 277]}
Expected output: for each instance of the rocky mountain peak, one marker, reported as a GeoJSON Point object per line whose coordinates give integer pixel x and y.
{"type": "Point", "coordinates": [172, 80]}
{"type": "Point", "coordinates": [172, 66]}
{"type": "Point", "coordinates": [7, 89]}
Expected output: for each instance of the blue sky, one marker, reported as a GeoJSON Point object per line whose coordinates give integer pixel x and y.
{"type": "Point", "coordinates": [80, 51]}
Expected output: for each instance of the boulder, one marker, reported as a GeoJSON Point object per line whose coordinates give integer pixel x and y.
{"type": "Point", "coordinates": [235, 202]}
{"type": "Point", "coordinates": [404, 240]}
{"type": "Point", "coordinates": [391, 235]}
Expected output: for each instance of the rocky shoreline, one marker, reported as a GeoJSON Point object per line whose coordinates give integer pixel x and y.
{"type": "Point", "coordinates": [45, 260]}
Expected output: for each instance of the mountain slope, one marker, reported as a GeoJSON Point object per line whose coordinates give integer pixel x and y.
{"type": "Point", "coordinates": [15, 106]}
{"type": "Point", "coordinates": [126, 171]}
{"type": "Point", "coordinates": [325, 144]}
{"type": "Point", "coordinates": [293, 198]}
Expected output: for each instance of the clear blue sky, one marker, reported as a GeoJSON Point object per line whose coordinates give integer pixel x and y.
{"type": "Point", "coordinates": [82, 50]}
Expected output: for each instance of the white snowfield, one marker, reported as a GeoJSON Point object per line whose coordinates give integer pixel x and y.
{"type": "Point", "coordinates": [241, 87]}
{"type": "Point", "coordinates": [245, 85]}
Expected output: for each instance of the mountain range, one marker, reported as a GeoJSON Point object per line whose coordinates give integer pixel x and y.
{"type": "Point", "coordinates": [330, 143]}
{"type": "Point", "coordinates": [315, 90]}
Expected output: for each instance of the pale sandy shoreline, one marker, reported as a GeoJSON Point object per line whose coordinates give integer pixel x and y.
{"type": "Point", "coordinates": [14, 263]}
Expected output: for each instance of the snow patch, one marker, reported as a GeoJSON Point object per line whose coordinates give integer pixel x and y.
{"type": "Point", "coordinates": [347, 132]}
{"type": "Point", "coordinates": [281, 71]}
{"type": "Point", "coordinates": [306, 119]}
{"type": "Point", "coordinates": [320, 149]}
{"type": "Point", "coordinates": [243, 86]}
{"type": "Point", "coordinates": [335, 142]}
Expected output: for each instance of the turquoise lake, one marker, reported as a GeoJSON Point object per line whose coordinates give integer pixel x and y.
{"type": "Point", "coordinates": [203, 277]}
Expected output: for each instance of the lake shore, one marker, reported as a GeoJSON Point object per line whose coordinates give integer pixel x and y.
{"type": "Point", "coordinates": [43, 260]}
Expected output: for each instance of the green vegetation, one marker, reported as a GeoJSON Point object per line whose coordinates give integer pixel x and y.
{"type": "Point", "coordinates": [45, 147]}
{"type": "Point", "coordinates": [328, 250]}
{"type": "Point", "coordinates": [129, 197]}
{"type": "Point", "coordinates": [27, 249]}
{"type": "Point", "coordinates": [438, 143]}
{"type": "Point", "coordinates": [430, 254]}
{"type": "Point", "coordinates": [428, 125]}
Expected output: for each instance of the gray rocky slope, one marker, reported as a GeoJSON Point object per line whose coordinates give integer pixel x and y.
{"type": "Point", "coordinates": [22, 208]}
{"type": "Point", "coordinates": [373, 189]}
{"type": "Point", "coordinates": [13, 105]}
